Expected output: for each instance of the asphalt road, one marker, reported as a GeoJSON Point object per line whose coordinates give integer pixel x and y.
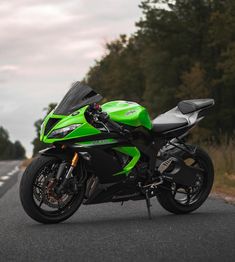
{"type": "Point", "coordinates": [111, 232]}
{"type": "Point", "coordinates": [8, 175]}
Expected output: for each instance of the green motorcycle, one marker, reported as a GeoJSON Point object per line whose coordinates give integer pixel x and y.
{"type": "Point", "coordinates": [115, 153]}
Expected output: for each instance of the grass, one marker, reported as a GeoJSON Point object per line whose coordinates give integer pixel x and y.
{"type": "Point", "coordinates": [223, 157]}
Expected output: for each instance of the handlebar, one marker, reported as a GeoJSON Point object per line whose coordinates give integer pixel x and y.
{"type": "Point", "coordinates": [103, 117]}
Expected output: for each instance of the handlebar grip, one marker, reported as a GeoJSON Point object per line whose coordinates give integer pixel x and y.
{"type": "Point", "coordinates": [115, 125]}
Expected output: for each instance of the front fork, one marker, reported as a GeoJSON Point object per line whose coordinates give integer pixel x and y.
{"type": "Point", "coordinates": [73, 165]}
{"type": "Point", "coordinates": [69, 173]}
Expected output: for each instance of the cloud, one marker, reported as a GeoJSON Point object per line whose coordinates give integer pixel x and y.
{"type": "Point", "coordinates": [45, 45]}
{"type": "Point", "coordinates": [7, 71]}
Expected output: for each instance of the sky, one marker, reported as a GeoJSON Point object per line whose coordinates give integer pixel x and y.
{"type": "Point", "coordinates": [45, 45]}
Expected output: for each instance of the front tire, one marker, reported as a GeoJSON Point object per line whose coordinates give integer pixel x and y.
{"type": "Point", "coordinates": [28, 192]}
{"type": "Point", "coordinates": [167, 198]}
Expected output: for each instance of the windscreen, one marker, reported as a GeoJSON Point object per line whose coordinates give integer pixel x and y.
{"type": "Point", "coordinates": [78, 96]}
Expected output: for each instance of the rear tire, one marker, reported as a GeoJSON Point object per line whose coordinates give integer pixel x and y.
{"type": "Point", "coordinates": [167, 200]}
{"type": "Point", "coordinates": [27, 194]}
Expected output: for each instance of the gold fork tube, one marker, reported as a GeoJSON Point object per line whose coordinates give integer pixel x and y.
{"type": "Point", "coordinates": [75, 160]}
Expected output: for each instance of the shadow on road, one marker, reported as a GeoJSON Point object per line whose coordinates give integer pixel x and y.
{"type": "Point", "coordinates": [161, 220]}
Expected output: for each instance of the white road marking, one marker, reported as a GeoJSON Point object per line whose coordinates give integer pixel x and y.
{"type": "Point", "coordinates": [4, 177]}
{"type": "Point", "coordinates": [16, 169]}
{"type": "Point", "coordinates": [7, 176]}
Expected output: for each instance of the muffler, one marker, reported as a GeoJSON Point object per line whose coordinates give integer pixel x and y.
{"type": "Point", "coordinates": [175, 170]}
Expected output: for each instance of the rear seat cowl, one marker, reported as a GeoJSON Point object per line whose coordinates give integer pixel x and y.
{"type": "Point", "coordinates": [189, 106]}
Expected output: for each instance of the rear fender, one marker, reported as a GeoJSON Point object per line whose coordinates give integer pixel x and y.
{"type": "Point", "coordinates": [178, 149]}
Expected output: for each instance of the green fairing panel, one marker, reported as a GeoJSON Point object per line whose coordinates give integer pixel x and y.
{"type": "Point", "coordinates": [85, 129]}
{"type": "Point", "coordinates": [130, 151]}
{"type": "Point", "coordinates": [129, 113]}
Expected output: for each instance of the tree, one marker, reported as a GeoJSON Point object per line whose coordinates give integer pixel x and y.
{"type": "Point", "coordinates": [9, 150]}
{"type": "Point", "coordinates": [118, 74]}
{"type": "Point", "coordinates": [194, 84]}
{"type": "Point", "coordinates": [19, 151]}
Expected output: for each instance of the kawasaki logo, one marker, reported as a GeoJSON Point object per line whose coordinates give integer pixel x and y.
{"type": "Point", "coordinates": [130, 112]}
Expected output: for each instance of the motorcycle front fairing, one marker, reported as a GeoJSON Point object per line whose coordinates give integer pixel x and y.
{"type": "Point", "coordinates": [68, 121]}
{"type": "Point", "coordinates": [59, 128]}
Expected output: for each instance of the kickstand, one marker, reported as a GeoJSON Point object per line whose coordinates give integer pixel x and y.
{"type": "Point", "coordinates": [148, 204]}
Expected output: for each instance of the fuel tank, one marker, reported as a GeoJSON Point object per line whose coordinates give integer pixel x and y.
{"type": "Point", "coordinates": [128, 113]}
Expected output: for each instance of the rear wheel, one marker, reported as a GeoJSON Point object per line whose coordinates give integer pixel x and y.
{"type": "Point", "coordinates": [182, 200]}
{"type": "Point", "coordinates": [37, 193]}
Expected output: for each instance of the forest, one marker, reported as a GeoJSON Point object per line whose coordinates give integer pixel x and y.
{"type": "Point", "coordinates": [8, 149]}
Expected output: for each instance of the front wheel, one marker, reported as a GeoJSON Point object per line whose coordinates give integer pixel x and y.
{"type": "Point", "coordinates": [37, 193]}
{"type": "Point", "coordinates": [182, 200]}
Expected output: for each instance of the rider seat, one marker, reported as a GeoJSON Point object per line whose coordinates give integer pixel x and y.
{"type": "Point", "coordinates": [168, 121]}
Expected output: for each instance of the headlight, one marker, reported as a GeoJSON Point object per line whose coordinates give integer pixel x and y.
{"type": "Point", "coordinates": [62, 132]}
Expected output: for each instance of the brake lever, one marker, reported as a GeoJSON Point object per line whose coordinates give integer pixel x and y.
{"type": "Point", "coordinates": [97, 120]}
{"type": "Point", "coordinates": [104, 117]}
{"type": "Point", "coordinates": [103, 124]}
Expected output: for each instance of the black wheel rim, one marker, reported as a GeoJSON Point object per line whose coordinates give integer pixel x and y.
{"type": "Point", "coordinates": [43, 202]}
{"type": "Point", "coordinates": [188, 196]}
